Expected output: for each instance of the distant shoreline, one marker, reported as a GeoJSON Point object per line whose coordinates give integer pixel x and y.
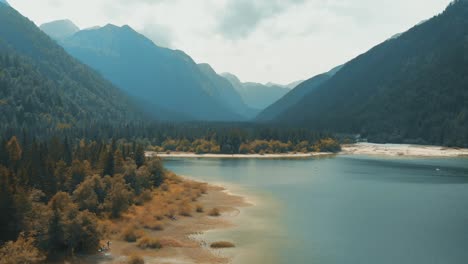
{"type": "Point", "coordinates": [188, 155]}
{"type": "Point", "coordinates": [372, 149]}
{"type": "Point", "coordinates": [403, 150]}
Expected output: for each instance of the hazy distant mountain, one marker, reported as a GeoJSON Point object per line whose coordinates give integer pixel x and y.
{"type": "Point", "coordinates": [166, 78]}
{"type": "Point", "coordinates": [223, 90]}
{"type": "Point", "coordinates": [295, 95]}
{"type": "Point", "coordinates": [256, 95]}
{"type": "Point", "coordinates": [289, 86]}
{"type": "Point", "coordinates": [60, 29]}
{"type": "Point", "coordinates": [4, 2]}
{"type": "Point", "coordinates": [42, 87]}
{"type": "Point", "coordinates": [413, 88]}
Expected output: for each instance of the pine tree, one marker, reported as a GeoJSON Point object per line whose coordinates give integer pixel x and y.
{"type": "Point", "coordinates": [139, 156]}
{"type": "Point", "coordinates": [14, 151]}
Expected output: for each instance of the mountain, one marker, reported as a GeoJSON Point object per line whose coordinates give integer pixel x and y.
{"type": "Point", "coordinates": [60, 29]}
{"type": "Point", "coordinates": [42, 87]}
{"type": "Point", "coordinates": [289, 86]}
{"type": "Point", "coordinates": [4, 2]}
{"type": "Point", "coordinates": [167, 78]}
{"type": "Point", "coordinates": [413, 88]}
{"type": "Point", "coordinates": [256, 95]}
{"type": "Point", "coordinates": [295, 95]}
{"type": "Point", "coordinates": [225, 92]}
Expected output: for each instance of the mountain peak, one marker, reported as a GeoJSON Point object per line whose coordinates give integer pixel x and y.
{"type": "Point", "coordinates": [231, 77]}
{"type": "Point", "coordinates": [60, 29]}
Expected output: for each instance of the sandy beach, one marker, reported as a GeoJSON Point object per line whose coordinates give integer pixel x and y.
{"type": "Point", "coordinates": [402, 150]}
{"type": "Point", "coordinates": [186, 155]}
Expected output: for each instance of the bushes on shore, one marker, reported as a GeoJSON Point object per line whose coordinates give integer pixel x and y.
{"type": "Point", "coordinates": [135, 260]}
{"type": "Point", "coordinates": [222, 244]}
{"type": "Point", "coordinates": [150, 243]}
{"type": "Point", "coordinates": [201, 146]}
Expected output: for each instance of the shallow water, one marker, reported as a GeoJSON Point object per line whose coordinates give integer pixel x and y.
{"type": "Point", "coordinates": [346, 209]}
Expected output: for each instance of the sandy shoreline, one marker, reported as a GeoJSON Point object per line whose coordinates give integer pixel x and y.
{"type": "Point", "coordinates": [391, 150]}
{"type": "Point", "coordinates": [186, 155]}
{"type": "Point", "coordinates": [402, 150]}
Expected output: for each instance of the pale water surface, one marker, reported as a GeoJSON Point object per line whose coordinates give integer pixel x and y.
{"type": "Point", "coordinates": [347, 209]}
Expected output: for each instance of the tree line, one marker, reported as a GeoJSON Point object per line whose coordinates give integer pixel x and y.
{"type": "Point", "coordinates": [53, 193]}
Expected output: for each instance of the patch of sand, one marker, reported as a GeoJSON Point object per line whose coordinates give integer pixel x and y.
{"type": "Point", "coordinates": [402, 150]}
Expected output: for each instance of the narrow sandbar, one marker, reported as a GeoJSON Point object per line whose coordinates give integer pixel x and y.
{"type": "Point", "coordinates": [403, 150]}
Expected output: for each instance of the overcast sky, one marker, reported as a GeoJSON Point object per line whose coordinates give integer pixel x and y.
{"type": "Point", "coordinates": [258, 40]}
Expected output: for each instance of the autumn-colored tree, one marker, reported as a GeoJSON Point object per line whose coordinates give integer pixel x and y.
{"type": "Point", "coordinates": [156, 171]}
{"type": "Point", "coordinates": [119, 196]}
{"type": "Point", "coordinates": [22, 251]}
{"type": "Point", "coordinates": [77, 174]}
{"type": "Point", "coordinates": [85, 196]}
{"type": "Point", "coordinates": [70, 229]}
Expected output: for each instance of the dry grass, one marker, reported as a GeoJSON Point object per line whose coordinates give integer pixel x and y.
{"type": "Point", "coordinates": [185, 209]}
{"type": "Point", "coordinates": [214, 212]}
{"type": "Point", "coordinates": [155, 226]}
{"type": "Point", "coordinates": [170, 242]}
{"type": "Point", "coordinates": [147, 242]}
{"type": "Point", "coordinates": [135, 260]}
{"type": "Point", "coordinates": [175, 198]}
{"type": "Point", "coordinates": [222, 244]}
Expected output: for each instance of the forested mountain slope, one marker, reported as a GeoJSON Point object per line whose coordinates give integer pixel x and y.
{"type": "Point", "coordinates": [41, 86]}
{"type": "Point", "coordinates": [413, 88]}
{"type": "Point", "coordinates": [225, 92]}
{"type": "Point", "coordinates": [164, 77]}
{"type": "Point", "coordinates": [295, 95]}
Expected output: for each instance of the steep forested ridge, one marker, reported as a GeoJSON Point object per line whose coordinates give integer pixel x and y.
{"type": "Point", "coordinates": [295, 95]}
{"type": "Point", "coordinates": [167, 78]}
{"type": "Point", "coordinates": [43, 87]}
{"type": "Point", "coordinates": [225, 92]}
{"type": "Point", "coordinates": [413, 88]}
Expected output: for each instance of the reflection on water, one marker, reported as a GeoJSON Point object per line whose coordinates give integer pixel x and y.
{"type": "Point", "coordinates": [348, 209]}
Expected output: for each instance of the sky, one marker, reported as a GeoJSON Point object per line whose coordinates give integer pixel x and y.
{"type": "Point", "coordinates": [279, 41]}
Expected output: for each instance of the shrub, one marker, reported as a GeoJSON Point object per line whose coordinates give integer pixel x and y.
{"type": "Point", "coordinates": [135, 260]}
{"type": "Point", "coordinates": [147, 242]}
{"type": "Point", "coordinates": [222, 244]}
{"type": "Point", "coordinates": [199, 208]}
{"type": "Point", "coordinates": [130, 234]}
{"type": "Point", "coordinates": [20, 251]}
{"type": "Point", "coordinates": [214, 212]}
{"type": "Point", "coordinates": [155, 226]}
{"type": "Point", "coordinates": [170, 242]}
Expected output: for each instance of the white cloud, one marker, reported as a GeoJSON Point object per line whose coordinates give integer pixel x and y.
{"type": "Point", "coordinates": [258, 40]}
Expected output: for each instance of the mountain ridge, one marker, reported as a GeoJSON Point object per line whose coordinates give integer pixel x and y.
{"type": "Point", "coordinates": [408, 89]}
{"type": "Point", "coordinates": [169, 78]}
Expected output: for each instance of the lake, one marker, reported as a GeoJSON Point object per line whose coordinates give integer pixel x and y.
{"type": "Point", "coordinates": [346, 209]}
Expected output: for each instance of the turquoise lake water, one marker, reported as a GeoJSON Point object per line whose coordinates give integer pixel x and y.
{"type": "Point", "coordinates": [350, 209]}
